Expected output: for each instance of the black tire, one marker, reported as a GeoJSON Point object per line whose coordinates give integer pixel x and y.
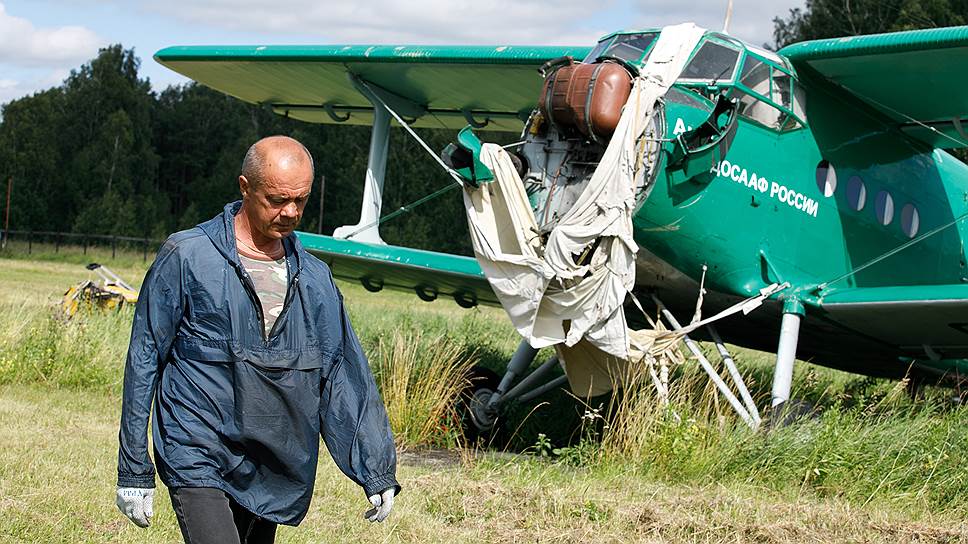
{"type": "Point", "coordinates": [791, 412]}
{"type": "Point", "coordinates": [482, 382]}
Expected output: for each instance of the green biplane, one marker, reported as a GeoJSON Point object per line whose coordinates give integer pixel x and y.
{"type": "Point", "coordinates": [820, 168]}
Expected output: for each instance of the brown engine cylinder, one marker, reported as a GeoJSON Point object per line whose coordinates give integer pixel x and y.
{"type": "Point", "coordinates": [586, 97]}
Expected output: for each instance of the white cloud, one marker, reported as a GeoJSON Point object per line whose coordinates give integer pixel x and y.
{"type": "Point", "coordinates": [382, 21]}
{"type": "Point", "coordinates": [11, 89]}
{"type": "Point", "coordinates": [33, 81]}
{"type": "Point", "coordinates": [23, 44]}
{"type": "Point", "coordinates": [752, 20]}
{"type": "Point", "coordinates": [470, 21]}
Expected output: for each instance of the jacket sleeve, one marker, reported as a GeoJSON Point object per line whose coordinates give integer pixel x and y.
{"type": "Point", "coordinates": [353, 420]}
{"type": "Point", "coordinates": [156, 318]}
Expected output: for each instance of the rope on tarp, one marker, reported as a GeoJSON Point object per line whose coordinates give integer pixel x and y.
{"type": "Point", "coordinates": [659, 346]}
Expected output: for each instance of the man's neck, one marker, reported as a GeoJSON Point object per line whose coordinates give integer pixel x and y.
{"type": "Point", "coordinates": [251, 244]}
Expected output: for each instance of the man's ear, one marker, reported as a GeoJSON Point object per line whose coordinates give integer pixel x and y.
{"type": "Point", "coordinates": [243, 186]}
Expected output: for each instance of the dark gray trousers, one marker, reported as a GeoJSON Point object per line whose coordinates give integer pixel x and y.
{"type": "Point", "coordinates": [209, 516]}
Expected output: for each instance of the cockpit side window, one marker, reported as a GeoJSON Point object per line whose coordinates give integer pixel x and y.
{"type": "Point", "coordinates": [756, 76]}
{"type": "Point", "coordinates": [714, 62]}
{"type": "Point", "coordinates": [799, 101]}
{"type": "Point", "coordinates": [628, 47]}
{"type": "Point", "coordinates": [769, 95]}
{"type": "Point", "coordinates": [782, 89]}
{"type": "Point", "coordinates": [597, 52]}
{"type": "Point", "coordinates": [752, 107]}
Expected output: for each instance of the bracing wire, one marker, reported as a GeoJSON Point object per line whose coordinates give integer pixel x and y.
{"type": "Point", "coordinates": [891, 252]}
{"type": "Point", "coordinates": [422, 200]}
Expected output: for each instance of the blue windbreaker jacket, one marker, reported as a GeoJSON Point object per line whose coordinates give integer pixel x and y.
{"type": "Point", "coordinates": [233, 409]}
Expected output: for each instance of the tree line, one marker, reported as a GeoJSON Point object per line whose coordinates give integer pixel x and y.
{"type": "Point", "coordinates": [820, 19]}
{"type": "Point", "coordinates": [105, 154]}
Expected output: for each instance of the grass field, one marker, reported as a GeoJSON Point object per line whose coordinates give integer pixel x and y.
{"type": "Point", "coordinates": [872, 467]}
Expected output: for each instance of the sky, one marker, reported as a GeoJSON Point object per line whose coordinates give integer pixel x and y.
{"type": "Point", "coordinates": [42, 40]}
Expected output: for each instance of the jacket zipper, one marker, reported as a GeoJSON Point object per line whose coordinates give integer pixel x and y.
{"type": "Point", "coordinates": [250, 289]}
{"type": "Point", "coordinates": [285, 305]}
{"type": "Point", "coordinates": [254, 297]}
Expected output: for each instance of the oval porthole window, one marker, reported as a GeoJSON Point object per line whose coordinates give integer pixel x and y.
{"type": "Point", "coordinates": [856, 193]}
{"type": "Point", "coordinates": [910, 220]}
{"type": "Point", "coordinates": [826, 178]}
{"type": "Point", "coordinates": [884, 207]}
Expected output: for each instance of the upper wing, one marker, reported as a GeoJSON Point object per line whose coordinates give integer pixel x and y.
{"type": "Point", "coordinates": [440, 86]}
{"type": "Point", "coordinates": [426, 273]}
{"type": "Point", "coordinates": [917, 78]}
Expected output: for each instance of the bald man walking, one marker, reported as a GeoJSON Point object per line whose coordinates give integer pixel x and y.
{"type": "Point", "coordinates": [241, 341]}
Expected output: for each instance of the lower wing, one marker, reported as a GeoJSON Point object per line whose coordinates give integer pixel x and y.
{"type": "Point", "coordinates": [427, 274]}
{"type": "Point", "coordinates": [925, 321]}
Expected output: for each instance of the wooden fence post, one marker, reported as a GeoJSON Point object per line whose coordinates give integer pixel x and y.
{"type": "Point", "coordinates": [6, 221]}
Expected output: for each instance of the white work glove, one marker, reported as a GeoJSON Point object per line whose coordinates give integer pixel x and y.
{"type": "Point", "coordinates": [382, 503]}
{"type": "Point", "coordinates": [136, 503]}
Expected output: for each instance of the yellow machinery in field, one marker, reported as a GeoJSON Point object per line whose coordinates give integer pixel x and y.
{"type": "Point", "coordinates": [110, 293]}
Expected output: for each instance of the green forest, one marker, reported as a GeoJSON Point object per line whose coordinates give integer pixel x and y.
{"type": "Point", "coordinates": [104, 153]}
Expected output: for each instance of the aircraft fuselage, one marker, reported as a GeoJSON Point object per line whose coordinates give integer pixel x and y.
{"type": "Point", "coordinates": [804, 206]}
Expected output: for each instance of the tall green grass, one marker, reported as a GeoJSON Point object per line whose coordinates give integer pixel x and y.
{"type": "Point", "coordinates": [420, 379]}
{"type": "Point", "coordinates": [37, 345]}
{"type": "Point", "coordinates": [867, 443]}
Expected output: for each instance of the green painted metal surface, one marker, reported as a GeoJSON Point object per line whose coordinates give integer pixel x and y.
{"type": "Point", "coordinates": [893, 42]}
{"type": "Point", "coordinates": [475, 172]}
{"type": "Point", "coordinates": [906, 76]}
{"type": "Point", "coordinates": [909, 318]}
{"type": "Point", "coordinates": [401, 268]}
{"type": "Point", "coordinates": [499, 84]}
{"type": "Point", "coordinates": [762, 215]}
{"type": "Point", "coordinates": [919, 294]}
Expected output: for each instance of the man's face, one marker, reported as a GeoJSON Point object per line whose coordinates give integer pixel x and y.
{"type": "Point", "coordinates": [275, 206]}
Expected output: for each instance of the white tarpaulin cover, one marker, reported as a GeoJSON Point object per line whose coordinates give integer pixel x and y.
{"type": "Point", "coordinates": [551, 300]}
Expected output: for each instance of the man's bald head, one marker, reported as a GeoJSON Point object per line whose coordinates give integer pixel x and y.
{"type": "Point", "coordinates": [277, 177]}
{"type": "Point", "coordinates": [275, 155]}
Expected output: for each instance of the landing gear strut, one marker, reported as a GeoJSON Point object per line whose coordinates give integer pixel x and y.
{"type": "Point", "coordinates": [786, 354]}
{"type": "Point", "coordinates": [487, 396]}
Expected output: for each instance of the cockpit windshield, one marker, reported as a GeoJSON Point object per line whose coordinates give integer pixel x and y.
{"type": "Point", "coordinates": [628, 47]}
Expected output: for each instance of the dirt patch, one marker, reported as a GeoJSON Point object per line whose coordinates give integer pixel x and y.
{"type": "Point", "coordinates": [431, 458]}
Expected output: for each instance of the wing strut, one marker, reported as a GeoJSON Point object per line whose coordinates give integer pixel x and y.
{"type": "Point", "coordinates": [744, 392]}
{"type": "Point", "coordinates": [368, 228]}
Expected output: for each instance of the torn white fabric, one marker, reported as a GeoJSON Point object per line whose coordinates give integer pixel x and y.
{"type": "Point", "coordinates": [549, 297]}
{"type": "Point", "coordinates": [593, 372]}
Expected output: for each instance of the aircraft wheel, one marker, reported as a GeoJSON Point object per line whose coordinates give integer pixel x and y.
{"type": "Point", "coordinates": [791, 412]}
{"type": "Point", "coordinates": [475, 419]}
